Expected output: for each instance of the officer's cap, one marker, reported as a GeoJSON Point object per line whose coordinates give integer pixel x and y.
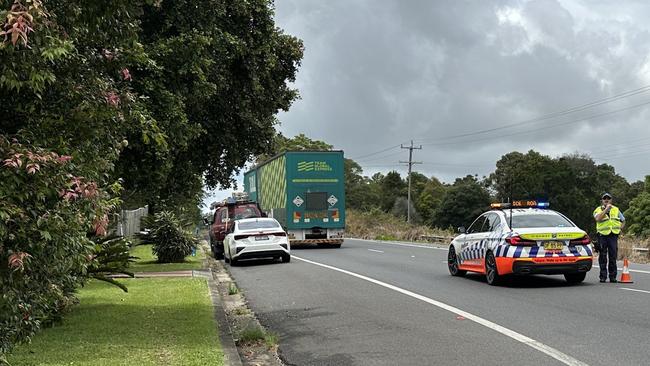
{"type": "Point", "coordinates": [606, 195]}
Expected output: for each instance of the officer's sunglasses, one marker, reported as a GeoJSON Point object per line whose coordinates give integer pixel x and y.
{"type": "Point", "coordinates": [606, 198]}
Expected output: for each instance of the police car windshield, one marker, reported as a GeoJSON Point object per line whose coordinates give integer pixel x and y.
{"type": "Point", "coordinates": [262, 224]}
{"type": "Point", "coordinates": [536, 220]}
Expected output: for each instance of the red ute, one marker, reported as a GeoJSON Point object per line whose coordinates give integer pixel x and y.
{"type": "Point", "coordinates": [225, 214]}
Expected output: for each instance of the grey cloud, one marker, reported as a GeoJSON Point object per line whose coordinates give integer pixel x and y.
{"type": "Point", "coordinates": [380, 73]}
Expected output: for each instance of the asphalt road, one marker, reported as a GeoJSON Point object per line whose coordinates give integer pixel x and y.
{"type": "Point", "coordinates": [372, 303]}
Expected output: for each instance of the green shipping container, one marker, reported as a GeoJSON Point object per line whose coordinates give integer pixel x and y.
{"type": "Point", "coordinates": [305, 192]}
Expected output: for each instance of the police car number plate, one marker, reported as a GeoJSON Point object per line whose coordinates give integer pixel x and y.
{"type": "Point", "coordinates": [553, 245]}
{"type": "Point", "coordinates": [262, 237]}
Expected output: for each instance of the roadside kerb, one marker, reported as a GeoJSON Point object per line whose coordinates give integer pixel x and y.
{"type": "Point", "coordinates": [230, 352]}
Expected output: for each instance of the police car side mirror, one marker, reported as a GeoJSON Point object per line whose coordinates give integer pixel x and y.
{"type": "Point", "coordinates": [462, 230]}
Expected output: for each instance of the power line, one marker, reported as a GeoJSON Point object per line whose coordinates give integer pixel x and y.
{"type": "Point", "coordinates": [550, 115]}
{"type": "Point", "coordinates": [376, 152]}
{"type": "Point", "coordinates": [543, 128]}
{"type": "Point", "coordinates": [380, 157]}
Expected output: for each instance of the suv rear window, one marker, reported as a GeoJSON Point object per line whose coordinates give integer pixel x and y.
{"type": "Point", "coordinates": [245, 212]}
{"type": "Point", "coordinates": [263, 224]}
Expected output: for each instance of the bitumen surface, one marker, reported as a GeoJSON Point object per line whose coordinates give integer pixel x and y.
{"type": "Point", "coordinates": [398, 305]}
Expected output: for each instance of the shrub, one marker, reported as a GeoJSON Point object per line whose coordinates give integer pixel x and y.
{"type": "Point", "coordinates": [171, 243]}
{"type": "Point", "coordinates": [111, 255]}
{"type": "Point", "coordinates": [46, 212]}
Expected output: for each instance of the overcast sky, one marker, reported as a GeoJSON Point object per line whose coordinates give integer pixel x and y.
{"type": "Point", "coordinates": [379, 73]}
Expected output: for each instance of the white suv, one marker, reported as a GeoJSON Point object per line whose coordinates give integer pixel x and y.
{"type": "Point", "coordinates": [259, 237]}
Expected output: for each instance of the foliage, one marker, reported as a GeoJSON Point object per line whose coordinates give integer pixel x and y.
{"type": "Point", "coordinates": [429, 200]}
{"type": "Point", "coordinates": [232, 289]}
{"type": "Point", "coordinates": [111, 256]}
{"type": "Point", "coordinates": [638, 215]}
{"type": "Point", "coordinates": [572, 183]}
{"type": "Point", "coordinates": [67, 89]}
{"type": "Point", "coordinates": [158, 93]}
{"type": "Point", "coordinates": [392, 186]}
{"type": "Point", "coordinates": [464, 201]}
{"type": "Point", "coordinates": [171, 243]}
{"type": "Point", "coordinates": [46, 211]}
{"type": "Point", "coordinates": [300, 142]}
{"type": "Point", "coordinates": [216, 75]}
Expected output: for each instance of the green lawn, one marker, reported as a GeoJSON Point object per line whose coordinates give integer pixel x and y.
{"type": "Point", "coordinates": [147, 261]}
{"type": "Point", "coordinates": [165, 321]}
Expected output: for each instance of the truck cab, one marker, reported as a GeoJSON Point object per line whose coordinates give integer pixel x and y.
{"type": "Point", "coordinates": [225, 214]}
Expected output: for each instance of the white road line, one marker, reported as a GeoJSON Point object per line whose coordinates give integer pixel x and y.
{"type": "Point", "coordinates": [556, 354]}
{"type": "Point", "coordinates": [401, 244]}
{"type": "Point", "coordinates": [633, 289]}
{"type": "Point", "coordinates": [378, 251]}
{"type": "Point", "coordinates": [631, 270]}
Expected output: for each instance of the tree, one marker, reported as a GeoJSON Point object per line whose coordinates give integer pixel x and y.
{"type": "Point", "coordinates": [218, 73]}
{"type": "Point", "coordinates": [462, 203]}
{"type": "Point", "coordinates": [637, 216]}
{"type": "Point", "coordinates": [571, 183]}
{"type": "Point", "coordinates": [392, 186]}
{"type": "Point", "coordinates": [299, 142]}
{"type": "Point", "coordinates": [162, 95]}
{"type": "Point", "coordinates": [429, 200]}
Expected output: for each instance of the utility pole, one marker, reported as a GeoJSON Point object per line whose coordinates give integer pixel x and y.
{"type": "Point", "coordinates": [410, 163]}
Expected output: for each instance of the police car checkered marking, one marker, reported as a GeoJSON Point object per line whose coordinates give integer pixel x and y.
{"type": "Point", "coordinates": [537, 251]}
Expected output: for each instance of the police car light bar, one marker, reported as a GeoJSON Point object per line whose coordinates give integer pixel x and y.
{"type": "Point", "coordinates": [500, 205]}
{"type": "Point", "coordinates": [520, 204]}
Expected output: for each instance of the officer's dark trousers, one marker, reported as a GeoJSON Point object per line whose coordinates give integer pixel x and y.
{"type": "Point", "coordinates": [607, 256]}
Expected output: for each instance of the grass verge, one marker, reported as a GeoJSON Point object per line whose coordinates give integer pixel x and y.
{"type": "Point", "coordinates": [166, 321]}
{"type": "Point", "coordinates": [147, 262]}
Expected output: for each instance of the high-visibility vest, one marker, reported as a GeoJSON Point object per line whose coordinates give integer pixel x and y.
{"type": "Point", "coordinates": [612, 225]}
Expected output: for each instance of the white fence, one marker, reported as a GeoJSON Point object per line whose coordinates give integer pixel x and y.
{"type": "Point", "coordinates": [128, 222]}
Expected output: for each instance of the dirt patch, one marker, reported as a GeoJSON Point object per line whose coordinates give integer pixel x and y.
{"type": "Point", "coordinates": [256, 345]}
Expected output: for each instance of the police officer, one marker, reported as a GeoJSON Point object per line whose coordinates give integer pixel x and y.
{"type": "Point", "coordinates": [609, 222]}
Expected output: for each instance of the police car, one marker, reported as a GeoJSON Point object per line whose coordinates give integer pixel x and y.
{"type": "Point", "coordinates": [521, 238]}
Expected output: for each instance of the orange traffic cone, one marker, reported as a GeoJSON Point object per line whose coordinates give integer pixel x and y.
{"type": "Point", "coordinates": [625, 276]}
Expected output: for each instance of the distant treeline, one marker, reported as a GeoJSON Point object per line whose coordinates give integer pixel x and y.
{"type": "Point", "coordinates": [572, 184]}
